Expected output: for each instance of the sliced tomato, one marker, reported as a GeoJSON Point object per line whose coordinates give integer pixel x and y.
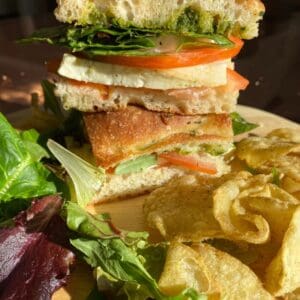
{"type": "Point", "coordinates": [237, 80]}
{"type": "Point", "coordinates": [189, 162]}
{"type": "Point", "coordinates": [184, 58]}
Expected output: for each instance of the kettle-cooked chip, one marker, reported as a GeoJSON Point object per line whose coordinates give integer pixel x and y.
{"type": "Point", "coordinates": [252, 209]}
{"type": "Point", "coordinates": [182, 270]}
{"type": "Point", "coordinates": [183, 210]}
{"type": "Point", "coordinates": [288, 134]}
{"type": "Point", "coordinates": [287, 165]}
{"type": "Point", "coordinates": [291, 186]}
{"type": "Point", "coordinates": [210, 271]}
{"type": "Point", "coordinates": [280, 151]}
{"type": "Point", "coordinates": [256, 151]}
{"type": "Point", "coordinates": [283, 274]}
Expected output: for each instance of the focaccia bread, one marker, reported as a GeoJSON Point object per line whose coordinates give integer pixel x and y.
{"type": "Point", "coordinates": [237, 17]}
{"type": "Point", "coordinates": [193, 101]}
{"type": "Point", "coordinates": [132, 132]}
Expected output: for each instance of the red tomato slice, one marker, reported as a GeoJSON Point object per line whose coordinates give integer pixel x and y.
{"type": "Point", "coordinates": [185, 58]}
{"type": "Point", "coordinates": [237, 80]}
{"type": "Point", "coordinates": [189, 162]}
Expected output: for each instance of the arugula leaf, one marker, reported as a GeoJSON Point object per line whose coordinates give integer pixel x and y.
{"type": "Point", "coordinates": [240, 125]}
{"type": "Point", "coordinates": [52, 102]}
{"type": "Point", "coordinates": [276, 176]}
{"type": "Point", "coordinates": [21, 175]}
{"type": "Point", "coordinates": [96, 40]}
{"type": "Point", "coordinates": [86, 179]}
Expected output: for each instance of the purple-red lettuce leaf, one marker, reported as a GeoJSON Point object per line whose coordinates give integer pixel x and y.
{"type": "Point", "coordinates": [34, 255]}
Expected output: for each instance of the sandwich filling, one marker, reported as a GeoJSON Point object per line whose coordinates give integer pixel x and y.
{"type": "Point", "coordinates": [111, 68]}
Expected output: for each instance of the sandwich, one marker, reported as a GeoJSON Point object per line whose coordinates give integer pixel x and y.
{"type": "Point", "coordinates": [142, 150]}
{"type": "Point", "coordinates": [155, 82]}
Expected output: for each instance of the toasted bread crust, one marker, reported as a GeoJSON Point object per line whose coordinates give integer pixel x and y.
{"type": "Point", "coordinates": [116, 136]}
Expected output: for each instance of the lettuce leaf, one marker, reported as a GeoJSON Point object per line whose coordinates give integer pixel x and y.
{"type": "Point", "coordinates": [126, 264]}
{"type": "Point", "coordinates": [34, 259]}
{"type": "Point", "coordinates": [96, 40]}
{"type": "Point", "coordinates": [240, 125]}
{"type": "Point", "coordinates": [86, 179]}
{"type": "Point", "coordinates": [22, 175]}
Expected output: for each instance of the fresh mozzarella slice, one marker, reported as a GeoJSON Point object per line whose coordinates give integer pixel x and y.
{"type": "Point", "coordinates": [209, 75]}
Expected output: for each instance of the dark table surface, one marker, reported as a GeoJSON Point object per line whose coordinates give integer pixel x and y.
{"type": "Point", "coordinates": [271, 62]}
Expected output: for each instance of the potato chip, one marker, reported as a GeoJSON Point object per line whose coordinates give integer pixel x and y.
{"type": "Point", "coordinates": [182, 271]}
{"type": "Point", "coordinates": [210, 271]}
{"type": "Point", "coordinates": [256, 151]}
{"type": "Point", "coordinates": [289, 134]}
{"type": "Point", "coordinates": [291, 186]}
{"type": "Point", "coordinates": [289, 169]}
{"type": "Point", "coordinates": [183, 210]}
{"type": "Point", "coordinates": [287, 165]}
{"type": "Point", "coordinates": [234, 219]}
{"type": "Point", "coordinates": [250, 208]}
{"type": "Point", "coordinates": [293, 296]}
{"type": "Point", "coordinates": [283, 274]}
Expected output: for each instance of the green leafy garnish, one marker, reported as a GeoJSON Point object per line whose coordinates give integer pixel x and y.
{"type": "Point", "coordinates": [97, 226]}
{"type": "Point", "coordinates": [96, 40]}
{"type": "Point", "coordinates": [136, 165]}
{"type": "Point", "coordinates": [240, 125]}
{"type": "Point", "coordinates": [30, 139]}
{"type": "Point", "coordinates": [52, 102]}
{"type": "Point", "coordinates": [22, 175]}
{"type": "Point", "coordinates": [276, 176]}
{"type": "Point", "coordinates": [86, 179]}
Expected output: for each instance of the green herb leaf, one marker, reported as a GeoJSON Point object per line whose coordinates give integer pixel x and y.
{"type": "Point", "coordinates": [22, 176]}
{"type": "Point", "coordinates": [52, 102]}
{"type": "Point", "coordinates": [86, 179]}
{"type": "Point", "coordinates": [96, 226]}
{"type": "Point", "coordinates": [96, 40]}
{"type": "Point", "coordinates": [240, 125]}
{"type": "Point", "coordinates": [276, 176]}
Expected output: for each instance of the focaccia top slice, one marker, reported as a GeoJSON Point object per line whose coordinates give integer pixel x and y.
{"type": "Point", "coordinates": [237, 17]}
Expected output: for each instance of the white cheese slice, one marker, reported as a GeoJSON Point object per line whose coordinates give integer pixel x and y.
{"type": "Point", "coordinates": [208, 75]}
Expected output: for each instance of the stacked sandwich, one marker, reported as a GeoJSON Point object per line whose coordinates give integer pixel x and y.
{"type": "Point", "coordinates": [155, 82]}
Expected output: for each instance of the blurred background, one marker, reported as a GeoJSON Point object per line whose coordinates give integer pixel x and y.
{"type": "Point", "coordinates": [271, 62]}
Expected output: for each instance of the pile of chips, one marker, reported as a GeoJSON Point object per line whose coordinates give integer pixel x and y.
{"type": "Point", "coordinates": [238, 236]}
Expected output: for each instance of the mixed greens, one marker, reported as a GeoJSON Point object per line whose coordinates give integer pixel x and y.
{"type": "Point", "coordinates": [96, 40]}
